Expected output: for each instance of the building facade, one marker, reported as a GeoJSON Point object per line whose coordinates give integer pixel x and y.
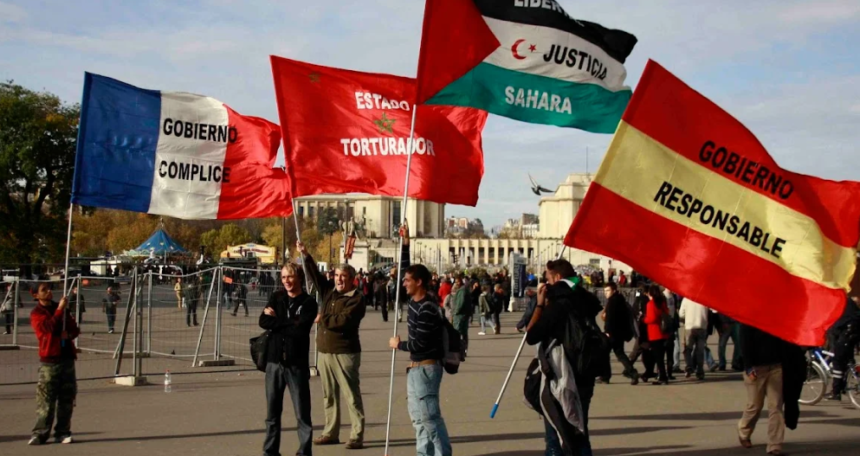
{"type": "Point", "coordinates": [380, 215]}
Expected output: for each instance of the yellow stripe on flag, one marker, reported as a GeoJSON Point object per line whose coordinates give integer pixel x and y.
{"type": "Point", "coordinates": [647, 173]}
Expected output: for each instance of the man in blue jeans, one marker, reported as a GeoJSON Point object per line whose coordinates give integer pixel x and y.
{"type": "Point", "coordinates": [424, 376]}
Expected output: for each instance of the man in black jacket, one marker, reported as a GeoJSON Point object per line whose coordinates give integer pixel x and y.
{"type": "Point", "coordinates": [289, 315]}
{"type": "Point", "coordinates": [618, 326]}
{"type": "Point", "coordinates": [557, 302]}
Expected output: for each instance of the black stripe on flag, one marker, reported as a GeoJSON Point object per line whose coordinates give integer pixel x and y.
{"type": "Point", "coordinates": [548, 13]}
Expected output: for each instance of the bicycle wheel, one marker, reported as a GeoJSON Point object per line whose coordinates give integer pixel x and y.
{"type": "Point", "coordinates": [853, 388]}
{"type": "Point", "coordinates": [815, 385]}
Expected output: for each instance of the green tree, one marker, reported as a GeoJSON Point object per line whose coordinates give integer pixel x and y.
{"type": "Point", "coordinates": [38, 135]}
{"type": "Point", "coordinates": [216, 241]}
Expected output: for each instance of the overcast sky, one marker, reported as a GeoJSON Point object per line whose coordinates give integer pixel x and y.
{"type": "Point", "coordinates": [789, 70]}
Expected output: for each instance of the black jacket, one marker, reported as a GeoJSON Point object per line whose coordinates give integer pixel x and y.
{"type": "Point", "coordinates": [563, 300]}
{"type": "Point", "coordinates": [759, 348]}
{"type": "Point", "coordinates": [619, 318]}
{"type": "Point", "coordinates": [289, 341]}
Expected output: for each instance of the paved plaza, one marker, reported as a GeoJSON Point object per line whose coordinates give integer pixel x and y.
{"type": "Point", "coordinates": [222, 414]}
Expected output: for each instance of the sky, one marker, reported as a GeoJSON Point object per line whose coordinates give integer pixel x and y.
{"type": "Point", "coordinates": [788, 69]}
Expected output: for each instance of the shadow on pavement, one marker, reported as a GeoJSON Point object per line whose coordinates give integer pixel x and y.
{"type": "Point", "coordinates": [713, 416]}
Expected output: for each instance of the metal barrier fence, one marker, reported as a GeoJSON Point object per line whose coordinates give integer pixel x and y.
{"type": "Point", "coordinates": [146, 325]}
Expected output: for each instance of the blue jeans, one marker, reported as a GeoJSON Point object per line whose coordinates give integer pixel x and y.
{"type": "Point", "coordinates": [278, 379]}
{"type": "Point", "coordinates": [422, 392]}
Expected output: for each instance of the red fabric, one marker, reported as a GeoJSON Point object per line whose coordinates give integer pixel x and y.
{"type": "Point", "coordinates": [47, 323]}
{"type": "Point", "coordinates": [321, 107]}
{"type": "Point", "coordinates": [652, 320]}
{"type": "Point", "coordinates": [672, 113]}
{"type": "Point", "coordinates": [255, 189]}
{"type": "Point", "coordinates": [455, 38]}
{"type": "Point", "coordinates": [444, 290]}
{"type": "Point", "coordinates": [705, 269]}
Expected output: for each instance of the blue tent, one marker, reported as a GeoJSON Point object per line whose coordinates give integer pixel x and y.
{"type": "Point", "coordinates": [161, 242]}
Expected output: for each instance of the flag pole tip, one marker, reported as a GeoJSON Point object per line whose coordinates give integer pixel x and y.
{"type": "Point", "coordinates": [495, 409]}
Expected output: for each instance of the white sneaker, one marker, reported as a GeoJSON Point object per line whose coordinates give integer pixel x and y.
{"type": "Point", "coordinates": [482, 333]}
{"type": "Point", "coordinates": [67, 439]}
{"type": "Point", "coordinates": [35, 440]}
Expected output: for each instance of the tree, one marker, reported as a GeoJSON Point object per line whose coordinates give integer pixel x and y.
{"type": "Point", "coordinates": [327, 225]}
{"type": "Point", "coordinates": [216, 241]}
{"type": "Point", "coordinates": [38, 135]}
{"type": "Point", "coordinates": [273, 234]}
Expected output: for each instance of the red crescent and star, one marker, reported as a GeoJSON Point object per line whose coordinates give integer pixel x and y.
{"type": "Point", "coordinates": [515, 53]}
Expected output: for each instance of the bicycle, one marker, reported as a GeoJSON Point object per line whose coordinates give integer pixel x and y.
{"type": "Point", "coordinates": [818, 376]}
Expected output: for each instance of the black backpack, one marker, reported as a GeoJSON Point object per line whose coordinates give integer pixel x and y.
{"type": "Point", "coordinates": [451, 348]}
{"type": "Point", "coordinates": [587, 347]}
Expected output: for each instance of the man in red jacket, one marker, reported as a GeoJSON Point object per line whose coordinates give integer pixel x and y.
{"type": "Point", "coordinates": [57, 383]}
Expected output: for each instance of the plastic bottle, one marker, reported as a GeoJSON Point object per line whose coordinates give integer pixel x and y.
{"type": "Point", "coordinates": [167, 382]}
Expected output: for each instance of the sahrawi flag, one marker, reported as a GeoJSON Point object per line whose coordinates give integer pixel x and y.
{"type": "Point", "coordinates": [524, 59]}
{"type": "Point", "coordinates": [175, 154]}
{"type": "Point", "coordinates": [689, 197]}
{"type": "Point", "coordinates": [346, 131]}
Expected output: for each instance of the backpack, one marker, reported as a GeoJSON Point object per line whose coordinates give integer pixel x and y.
{"type": "Point", "coordinates": [451, 347]}
{"type": "Point", "coordinates": [587, 347]}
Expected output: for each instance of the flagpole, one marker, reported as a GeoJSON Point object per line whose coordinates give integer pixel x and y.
{"type": "Point", "coordinates": [411, 147]}
{"type": "Point", "coordinates": [68, 248]}
{"type": "Point", "coordinates": [516, 358]}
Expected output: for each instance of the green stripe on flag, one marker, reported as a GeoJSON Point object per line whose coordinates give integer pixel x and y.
{"type": "Point", "coordinates": [536, 99]}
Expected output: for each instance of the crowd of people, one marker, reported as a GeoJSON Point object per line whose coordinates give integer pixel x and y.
{"type": "Point", "coordinates": [561, 318]}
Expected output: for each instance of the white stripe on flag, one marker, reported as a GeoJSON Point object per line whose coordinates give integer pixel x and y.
{"type": "Point", "coordinates": [175, 192]}
{"type": "Point", "coordinates": [508, 33]}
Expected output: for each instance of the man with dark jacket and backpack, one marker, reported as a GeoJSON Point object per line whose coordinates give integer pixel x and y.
{"type": "Point", "coordinates": [561, 313]}
{"type": "Point", "coordinates": [289, 316]}
{"type": "Point", "coordinates": [426, 352]}
{"type": "Point", "coordinates": [618, 326]}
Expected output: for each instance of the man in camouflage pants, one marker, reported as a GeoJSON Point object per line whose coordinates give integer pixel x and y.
{"type": "Point", "coordinates": [56, 330]}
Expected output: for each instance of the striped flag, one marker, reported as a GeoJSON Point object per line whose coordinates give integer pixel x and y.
{"type": "Point", "coordinates": [689, 197]}
{"type": "Point", "coordinates": [524, 59]}
{"type": "Point", "coordinates": [176, 154]}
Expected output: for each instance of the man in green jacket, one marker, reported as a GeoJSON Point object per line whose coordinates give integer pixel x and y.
{"type": "Point", "coordinates": [339, 350]}
{"type": "Point", "coordinates": [462, 310]}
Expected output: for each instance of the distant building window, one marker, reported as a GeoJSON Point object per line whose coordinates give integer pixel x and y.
{"type": "Point", "coordinates": [301, 211]}
{"type": "Point", "coordinates": [310, 211]}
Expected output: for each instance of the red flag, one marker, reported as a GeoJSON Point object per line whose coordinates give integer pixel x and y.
{"type": "Point", "coordinates": [347, 131]}
{"type": "Point", "coordinates": [689, 197]}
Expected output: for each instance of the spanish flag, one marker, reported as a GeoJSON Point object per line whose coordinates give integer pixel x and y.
{"type": "Point", "coordinates": [688, 196]}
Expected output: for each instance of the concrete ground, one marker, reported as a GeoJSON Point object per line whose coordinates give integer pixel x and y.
{"type": "Point", "coordinates": [222, 414]}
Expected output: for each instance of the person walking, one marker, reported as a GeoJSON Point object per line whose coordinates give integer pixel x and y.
{"type": "Point", "coordinates": [673, 343]}
{"type": "Point", "coordinates": [695, 318]}
{"type": "Point", "coordinates": [289, 316]}
{"type": "Point", "coordinates": [109, 305]}
{"type": "Point", "coordinates": [8, 308]}
{"type": "Point", "coordinates": [76, 298]}
{"type": "Point", "coordinates": [192, 299]}
{"type": "Point", "coordinates": [763, 378]}
{"type": "Point", "coordinates": [242, 297]}
{"type": "Point", "coordinates": [56, 331]}
{"type": "Point", "coordinates": [462, 304]}
{"type": "Point", "coordinates": [499, 302]}
{"type": "Point", "coordinates": [382, 296]}
{"type": "Point", "coordinates": [618, 326]}
{"type": "Point", "coordinates": [559, 303]}
{"type": "Point", "coordinates": [425, 347]}
{"type": "Point", "coordinates": [177, 288]}
{"type": "Point", "coordinates": [728, 329]}
{"type": "Point", "coordinates": [339, 349]}
{"type": "Point", "coordinates": [655, 311]}
{"type": "Point", "coordinates": [484, 309]}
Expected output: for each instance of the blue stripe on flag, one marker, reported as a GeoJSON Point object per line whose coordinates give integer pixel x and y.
{"type": "Point", "coordinates": [115, 161]}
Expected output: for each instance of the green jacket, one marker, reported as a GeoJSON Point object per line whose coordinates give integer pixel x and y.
{"type": "Point", "coordinates": [484, 303]}
{"type": "Point", "coordinates": [340, 315]}
{"type": "Point", "coordinates": [461, 310]}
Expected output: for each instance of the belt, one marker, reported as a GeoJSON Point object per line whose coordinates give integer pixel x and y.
{"type": "Point", "coordinates": [426, 362]}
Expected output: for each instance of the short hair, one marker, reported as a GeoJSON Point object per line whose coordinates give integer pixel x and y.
{"type": "Point", "coordinates": [296, 270]}
{"type": "Point", "coordinates": [419, 272]}
{"type": "Point", "coordinates": [561, 267]}
{"type": "Point", "coordinates": [485, 288]}
{"type": "Point", "coordinates": [612, 285]}
{"type": "Point", "coordinates": [349, 270]}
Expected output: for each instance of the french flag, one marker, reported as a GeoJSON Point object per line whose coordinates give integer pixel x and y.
{"type": "Point", "coordinates": [177, 154]}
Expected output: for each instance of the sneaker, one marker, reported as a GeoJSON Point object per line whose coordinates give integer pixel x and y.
{"type": "Point", "coordinates": [482, 333]}
{"type": "Point", "coordinates": [110, 331]}
{"type": "Point", "coordinates": [64, 439]}
{"type": "Point", "coordinates": [6, 333]}
{"type": "Point", "coordinates": [35, 440]}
